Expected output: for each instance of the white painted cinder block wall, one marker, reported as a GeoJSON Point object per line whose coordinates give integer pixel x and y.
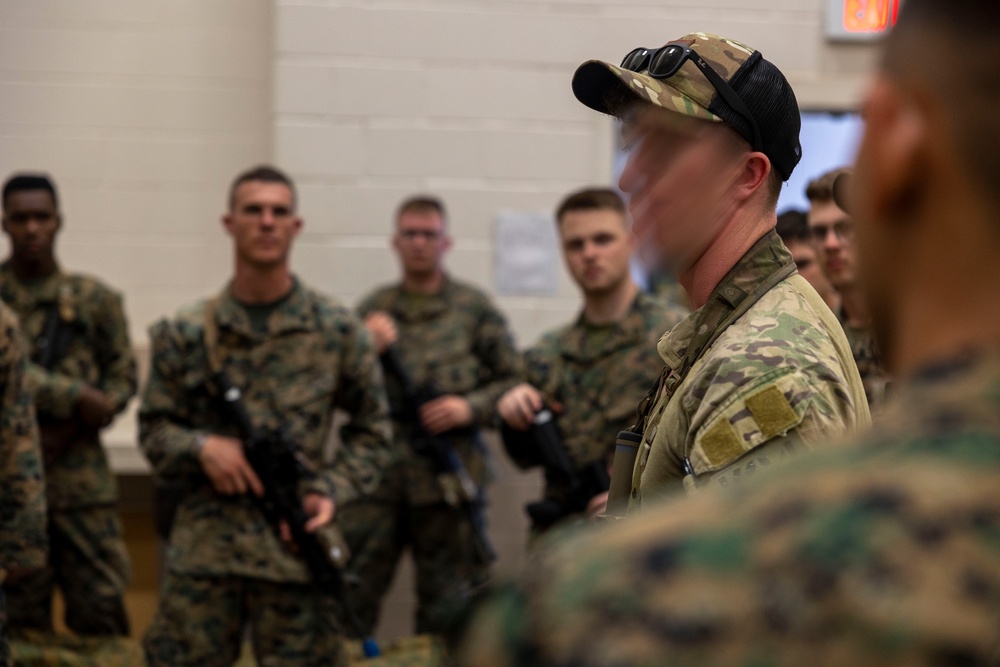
{"type": "Point", "coordinates": [144, 110]}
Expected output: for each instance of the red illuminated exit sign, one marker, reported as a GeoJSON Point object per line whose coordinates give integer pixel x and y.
{"type": "Point", "coordinates": [860, 20]}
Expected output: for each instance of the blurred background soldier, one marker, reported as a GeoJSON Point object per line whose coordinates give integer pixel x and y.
{"type": "Point", "coordinates": [83, 374]}
{"type": "Point", "coordinates": [793, 228]}
{"type": "Point", "coordinates": [593, 372]}
{"type": "Point", "coordinates": [459, 356]}
{"type": "Point", "coordinates": [23, 538]}
{"type": "Point", "coordinates": [875, 554]}
{"type": "Point", "coordinates": [832, 232]}
{"type": "Point", "coordinates": [295, 356]}
{"type": "Point", "coordinates": [761, 369]}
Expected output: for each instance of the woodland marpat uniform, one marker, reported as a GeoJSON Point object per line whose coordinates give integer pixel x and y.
{"type": "Point", "coordinates": [314, 357]}
{"type": "Point", "coordinates": [881, 552]}
{"type": "Point", "coordinates": [873, 375]}
{"type": "Point", "coordinates": [777, 379]}
{"type": "Point", "coordinates": [23, 538]}
{"type": "Point", "coordinates": [598, 374]}
{"type": "Point", "coordinates": [459, 342]}
{"type": "Point", "coordinates": [87, 555]}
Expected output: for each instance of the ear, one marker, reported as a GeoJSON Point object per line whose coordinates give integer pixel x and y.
{"type": "Point", "coordinates": [396, 242]}
{"type": "Point", "coordinates": [297, 225]}
{"type": "Point", "coordinates": [753, 177]}
{"type": "Point", "coordinates": [891, 160]}
{"type": "Point", "coordinates": [227, 223]}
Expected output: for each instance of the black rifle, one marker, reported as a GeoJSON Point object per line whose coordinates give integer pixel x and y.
{"type": "Point", "coordinates": [455, 480]}
{"type": "Point", "coordinates": [55, 435]}
{"type": "Point", "coordinates": [281, 467]}
{"type": "Point", "coordinates": [547, 449]}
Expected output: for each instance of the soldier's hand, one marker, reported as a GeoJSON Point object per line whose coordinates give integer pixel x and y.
{"type": "Point", "coordinates": [445, 413]}
{"type": "Point", "coordinates": [518, 406]}
{"type": "Point", "coordinates": [383, 330]}
{"type": "Point", "coordinates": [95, 408]}
{"type": "Point", "coordinates": [598, 505]}
{"type": "Point", "coordinates": [227, 468]}
{"type": "Point", "coordinates": [320, 510]}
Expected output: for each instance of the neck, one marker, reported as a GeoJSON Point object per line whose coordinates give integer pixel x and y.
{"type": "Point", "coordinates": [430, 283]}
{"type": "Point", "coordinates": [852, 303]}
{"type": "Point", "coordinates": [261, 284]}
{"type": "Point", "coordinates": [34, 269]}
{"type": "Point", "coordinates": [832, 299]}
{"type": "Point", "coordinates": [726, 249]}
{"type": "Point", "coordinates": [611, 306]}
{"type": "Point", "coordinates": [942, 308]}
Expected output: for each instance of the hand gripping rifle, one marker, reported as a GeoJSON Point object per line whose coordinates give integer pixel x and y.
{"type": "Point", "coordinates": [282, 468]}
{"type": "Point", "coordinates": [457, 484]}
{"type": "Point", "coordinates": [542, 444]}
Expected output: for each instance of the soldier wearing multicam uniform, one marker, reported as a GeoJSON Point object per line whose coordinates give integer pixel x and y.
{"type": "Point", "coordinates": [82, 374]}
{"type": "Point", "coordinates": [23, 538]}
{"type": "Point", "coordinates": [297, 356]}
{"type": "Point", "coordinates": [761, 369]}
{"type": "Point", "coordinates": [884, 552]}
{"type": "Point", "coordinates": [832, 233]}
{"type": "Point", "coordinates": [450, 336]}
{"type": "Point", "coordinates": [594, 371]}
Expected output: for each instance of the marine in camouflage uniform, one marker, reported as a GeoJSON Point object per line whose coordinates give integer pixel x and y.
{"type": "Point", "coordinates": [296, 359]}
{"type": "Point", "coordinates": [832, 232]}
{"type": "Point", "coordinates": [23, 537]}
{"type": "Point", "coordinates": [761, 369]}
{"type": "Point", "coordinates": [454, 340]}
{"type": "Point", "coordinates": [597, 375]}
{"type": "Point", "coordinates": [864, 349]}
{"type": "Point", "coordinates": [591, 372]}
{"type": "Point", "coordinates": [81, 349]}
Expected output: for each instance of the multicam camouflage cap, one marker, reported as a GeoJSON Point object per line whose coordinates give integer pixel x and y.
{"type": "Point", "coordinates": [757, 82]}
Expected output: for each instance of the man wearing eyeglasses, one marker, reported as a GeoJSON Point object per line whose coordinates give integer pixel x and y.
{"type": "Point", "coordinates": [459, 354]}
{"type": "Point", "coordinates": [761, 369]}
{"type": "Point", "coordinates": [832, 232]}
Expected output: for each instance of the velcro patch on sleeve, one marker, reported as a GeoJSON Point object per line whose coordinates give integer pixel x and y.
{"type": "Point", "coordinates": [747, 418]}
{"type": "Point", "coordinates": [721, 444]}
{"type": "Point", "coordinates": [772, 412]}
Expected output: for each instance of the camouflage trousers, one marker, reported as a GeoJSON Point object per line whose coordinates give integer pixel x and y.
{"type": "Point", "coordinates": [441, 540]}
{"type": "Point", "coordinates": [89, 563]}
{"type": "Point", "coordinates": [201, 621]}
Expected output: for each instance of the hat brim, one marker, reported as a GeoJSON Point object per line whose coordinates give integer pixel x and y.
{"type": "Point", "coordinates": [598, 83]}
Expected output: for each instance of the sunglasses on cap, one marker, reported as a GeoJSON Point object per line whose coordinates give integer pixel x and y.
{"type": "Point", "coordinates": [666, 61]}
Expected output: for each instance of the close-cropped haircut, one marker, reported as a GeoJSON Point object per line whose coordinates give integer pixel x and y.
{"type": "Point", "coordinates": [422, 205]}
{"type": "Point", "coordinates": [820, 190]}
{"type": "Point", "coordinates": [949, 51]}
{"type": "Point", "coordinates": [793, 226]}
{"type": "Point", "coordinates": [262, 173]}
{"type": "Point", "coordinates": [24, 182]}
{"type": "Point", "coordinates": [591, 199]}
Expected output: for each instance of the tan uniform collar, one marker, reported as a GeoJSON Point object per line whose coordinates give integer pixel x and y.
{"type": "Point", "coordinates": [758, 269]}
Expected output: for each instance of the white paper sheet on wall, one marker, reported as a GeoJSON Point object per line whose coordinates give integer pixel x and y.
{"type": "Point", "coordinates": [526, 254]}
